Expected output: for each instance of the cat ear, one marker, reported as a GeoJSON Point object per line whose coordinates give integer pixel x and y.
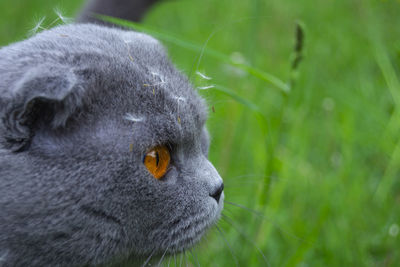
{"type": "Point", "coordinates": [38, 98]}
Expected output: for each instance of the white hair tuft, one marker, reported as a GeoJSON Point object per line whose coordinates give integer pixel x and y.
{"type": "Point", "coordinates": [206, 87]}
{"type": "Point", "coordinates": [203, 75]}
{"type": "Point", "coordinates": [130, 117]}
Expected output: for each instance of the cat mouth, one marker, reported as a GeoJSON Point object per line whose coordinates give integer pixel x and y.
{"type": "Point", "coordinates": [192, 234]}
{"type": "Point", "coordinates": [185, 233]}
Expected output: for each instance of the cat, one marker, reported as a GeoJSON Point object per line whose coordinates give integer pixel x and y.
{"type": "Point", "coordinates": [103, 149]}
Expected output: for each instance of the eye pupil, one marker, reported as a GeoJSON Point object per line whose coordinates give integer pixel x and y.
{"type": "Point", "coordinates": [157, 158]}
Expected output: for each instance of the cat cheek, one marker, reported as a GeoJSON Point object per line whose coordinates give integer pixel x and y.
{"type": "Point", "coordinates": [171, 177]}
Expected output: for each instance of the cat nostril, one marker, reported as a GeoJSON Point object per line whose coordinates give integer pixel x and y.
{"type": "Point", "coordinates": [217, 194]}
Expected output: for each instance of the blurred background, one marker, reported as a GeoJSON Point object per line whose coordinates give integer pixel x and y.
{"type": "Point", "coordinates": [307, 140]}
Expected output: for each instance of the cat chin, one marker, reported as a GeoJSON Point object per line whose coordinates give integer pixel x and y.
{"type": "Point", "coordinates": [185, 233]}
{"type": "Point", "coordinates": [194, 236]}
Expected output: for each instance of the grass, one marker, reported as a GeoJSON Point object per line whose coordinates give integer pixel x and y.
{"type": "Point", "coordinates": [319, 162]}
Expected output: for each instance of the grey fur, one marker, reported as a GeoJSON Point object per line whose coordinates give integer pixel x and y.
{"type": "Point", "coordinates": [72, 191]}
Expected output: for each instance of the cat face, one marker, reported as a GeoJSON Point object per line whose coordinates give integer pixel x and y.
{"type": "Point", "coordinates": [81, 107]}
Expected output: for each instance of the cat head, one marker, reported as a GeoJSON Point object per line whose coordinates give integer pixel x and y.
{"type": "Point", "coordinates": [82, 109]}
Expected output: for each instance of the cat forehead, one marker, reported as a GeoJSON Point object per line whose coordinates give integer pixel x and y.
{"type": "Point", "coordinates": [122, 72]}
{"type": "Point", "coordinates": [136, 80]}
{"type": "Point", "coordinates": [163, 103]}
{"type": "Point", "coordinates": [140, 80]}
{"type": "Point", "coordinates": [60, 43]}
{"type": "Point", "coordinates": [137, 37]}
{"type": "Point", "coordinates": [89, 34]}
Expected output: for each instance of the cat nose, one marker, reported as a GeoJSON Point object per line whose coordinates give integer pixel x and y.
{"type": "Point", "coordinates": [217, 193]}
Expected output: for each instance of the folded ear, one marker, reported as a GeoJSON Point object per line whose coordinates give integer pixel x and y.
{"type": "Point", "coordinates": [42, 97]}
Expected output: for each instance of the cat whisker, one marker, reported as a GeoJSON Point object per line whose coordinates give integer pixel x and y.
{"type": "Point", "coordinates": [262, 216]}
{"type": "Point", "coordinates": [247, 182]}
{"type": "Point", "coordinates": [240, 184]}
{"type": "Point", "coordinates": [253, 175]}
{"type": "Point", "coordinates": [148, 259]}
{"type": "Point", "coordinates": [244, 235]}
{"type": "Point", "coordinates": [227, 244]}
{"type": "Point", "coordinates": [191, 252]}
{"type": "Point", "coordinates": [162, 257]}
{"type": "Point", "coordinates": [256, 176]}
{"type": "Point", "coordinates": [195, 256]}
{"type": "Point", "coordinates": [257, 213]}
{"type": "Point", "coordinates": [180, 262]}
{"type": "Point", "coordinates": [186, 264]}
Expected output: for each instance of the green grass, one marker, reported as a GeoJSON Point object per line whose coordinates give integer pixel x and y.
{"type": "Point", "coordinates": [321, 162]}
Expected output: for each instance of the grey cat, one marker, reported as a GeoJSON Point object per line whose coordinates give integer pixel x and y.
{"type": "Point", "coordinates": [103, 150]}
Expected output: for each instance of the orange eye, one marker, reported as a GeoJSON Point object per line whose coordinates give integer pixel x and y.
{"type": "Point", "coordinates": [157, 161]}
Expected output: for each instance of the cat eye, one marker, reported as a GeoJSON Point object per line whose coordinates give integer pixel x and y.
{"type": "Point", "coordinates": [157, 161]}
